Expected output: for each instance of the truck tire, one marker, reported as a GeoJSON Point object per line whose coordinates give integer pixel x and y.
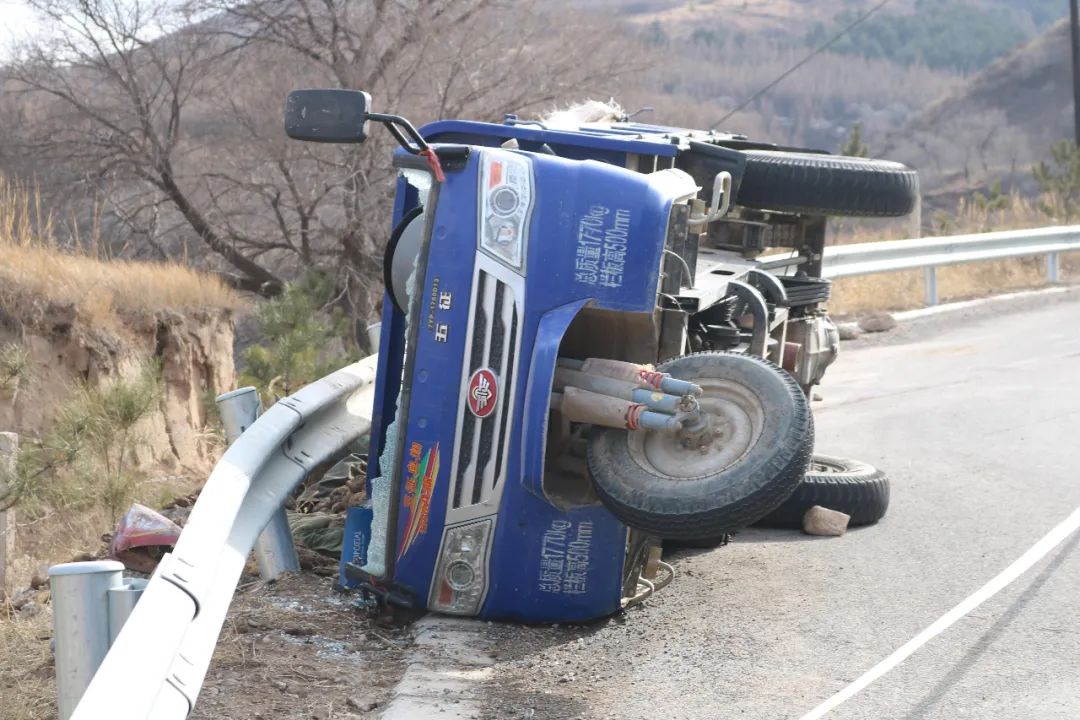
{"type": "Point", "coordinates": [760, 453]}
{"type": "Point", "coordinates": [850, 486]}
{"type": "Point", "coordinates": [812, 184]}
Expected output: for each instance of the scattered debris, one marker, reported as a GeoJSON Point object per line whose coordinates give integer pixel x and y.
{"type": "Point", "coordinates": [142, 538]}
{"type": "Point", "coordinates": [849, 330]}
{"type": "Point", "coordinates": [819, 520]}
{"type": "Point", "coordinates": [361, 703]}
{"type": "Point", "coordinates": [294, 648]}
{"type": "Point", "coordinates": [877, 322]}
{"type": "Point", "coordinates": [179, 509]}
{"type": "Point", "coordinates": [40, 579]}
{"type": "Point", "coordinates": [25, 597]}
{"type": "Point", "coordinates": [341, 487]}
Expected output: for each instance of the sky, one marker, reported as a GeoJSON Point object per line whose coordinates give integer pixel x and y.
{"type": "Point", "coordinates": [15, 21]}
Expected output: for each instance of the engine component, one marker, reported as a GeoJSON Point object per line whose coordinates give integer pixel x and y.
{"type": "Point", "coordinates": [819, 342]}
{"type": "Point", "coordinates": [583, 406]}
{"type": "Point", "coordinates": [656, 400]}
{"type": "Point", "coordinates": [803, 291]}
{"type": "Point", "coordinates": [639, 375]}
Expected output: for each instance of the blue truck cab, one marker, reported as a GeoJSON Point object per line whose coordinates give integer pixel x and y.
{"type": "Point", "coordinates": [519, 252]}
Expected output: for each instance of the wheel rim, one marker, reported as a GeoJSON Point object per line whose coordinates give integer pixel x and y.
{"type": "Point", "coordinates": [737, 417]}
{"type": "Point", "coordinates": [827, 467]}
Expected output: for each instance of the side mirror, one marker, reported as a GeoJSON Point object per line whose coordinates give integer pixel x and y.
{"type": "Point", "coordinates": [328, 116]}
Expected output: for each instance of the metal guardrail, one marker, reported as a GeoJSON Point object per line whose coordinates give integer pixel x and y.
{"type": "Point", "coordinates": [157, 664]}
{"type": "Point", "coordinates": [930, 253]}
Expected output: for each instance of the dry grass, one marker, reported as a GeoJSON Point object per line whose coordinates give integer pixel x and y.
{"type": "Point", "coordinates": [37, 268]}
{"type": "Point", "coordinates": [27, 690]}
{"type": "Point", "coordinates": [905, 290]}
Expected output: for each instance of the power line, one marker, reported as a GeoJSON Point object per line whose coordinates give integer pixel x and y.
{"type": "Point", "coordinates": [1074, 38]}
{"type": "Point", "coordinates": [808, 58]}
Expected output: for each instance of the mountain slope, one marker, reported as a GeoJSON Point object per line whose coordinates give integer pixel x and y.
{"type": "Point", "coordinates": [997, 123]}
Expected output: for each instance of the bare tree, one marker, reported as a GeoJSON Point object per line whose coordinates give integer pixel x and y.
{"type": "Point", "coordinates": [121, 76]}
{"type": "Point", "coordinates": [431, 59]}
{"type": "Point", "coordinates": [175, 115]}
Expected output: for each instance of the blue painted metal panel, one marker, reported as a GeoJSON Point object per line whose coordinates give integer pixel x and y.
{"type": "Point", "coordinates": [549, 335]}
{"type": "Point", "coordinates": [598, 233]}
{"type": "Point", "coordinates": [387, 386]}
{"type": "Point", "coordinates": [592, 144]}
{"type": "Point", "coordinates": [553, 566]}
{"type": "Point", "coordinates": [391, 352]}
{"type": "Point", "coordinates": [439, 353]}
{"type": "Point", "coordinates": [596, 237]}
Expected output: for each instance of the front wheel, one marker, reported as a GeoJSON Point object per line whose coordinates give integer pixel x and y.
{"type": "Point", "coordinates": [761, 439]}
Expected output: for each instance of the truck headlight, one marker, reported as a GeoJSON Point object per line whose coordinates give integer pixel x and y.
{"type": "Point", "coordinates": [506, 201]}
{"type": "Point", "coordinates": [461, 574]}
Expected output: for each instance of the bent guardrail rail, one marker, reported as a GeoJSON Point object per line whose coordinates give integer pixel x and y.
{"type": "Point", "coordinates": [156, 667]}
{"type": "Point", "coordinates": [930, 253]}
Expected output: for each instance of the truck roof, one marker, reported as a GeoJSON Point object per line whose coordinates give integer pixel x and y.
{"type": "Point", "coordinates": [598, 141]}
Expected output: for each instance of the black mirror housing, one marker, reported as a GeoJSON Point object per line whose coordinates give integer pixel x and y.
{"type": "Point", "coordinates": [328, 116]}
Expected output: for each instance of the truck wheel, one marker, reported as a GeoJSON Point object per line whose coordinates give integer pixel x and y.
{"type": "Point", "coordinates": [760, 450]}
{"type": "Point", "coordinates": [850, 486]}
{"type": "Point", "coordinates": [826, 184]}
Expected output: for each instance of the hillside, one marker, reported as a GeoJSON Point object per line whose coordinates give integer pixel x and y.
{"type": "Point", "coordinates": [941, 33]}
{"type": "Point", "coordinates": [995, 125]}
{"type": "Point", "coordinates": [693, 62]}
{"type": "Point", "coordinates": [967, 92]}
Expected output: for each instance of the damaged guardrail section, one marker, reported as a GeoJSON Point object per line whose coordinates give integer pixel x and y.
{"type": "Point", "coordinates": [929, 253]}
{"type": "Point", "coordinates": [156, 667]}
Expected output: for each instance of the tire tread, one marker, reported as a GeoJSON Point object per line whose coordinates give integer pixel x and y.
{"type": "Point", "coordinates": [827, 185]}
{"type": "Point", "coordinates": [863, 495]}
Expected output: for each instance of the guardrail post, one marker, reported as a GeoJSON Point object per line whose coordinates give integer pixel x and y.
{"type": "Point", "coordinates": [80, 600]}
{"type": "Point", "coordinates": [9, 452]}
{"type": "Point", "coordinates": [275, 552]}
{"type": "Point", "coordinates": [122, 600]}
{"type": "Point", "coordinates": [1053, 268]}
{"type": "Point", "coordinates": [930, 285]}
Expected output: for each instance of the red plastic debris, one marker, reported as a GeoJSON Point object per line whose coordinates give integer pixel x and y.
{"type": "Point", "coordinates": [141, 538]}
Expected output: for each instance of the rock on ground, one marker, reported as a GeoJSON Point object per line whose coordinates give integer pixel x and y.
{"type": "Point", "coordinates": [849, 331]}
{"type": "Point", "coordinates": [823, 521]}
{"type": "Point", "coordinates": [877, 322]}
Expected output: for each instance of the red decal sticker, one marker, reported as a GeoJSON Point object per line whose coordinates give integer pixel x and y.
{"type": "Point", "coordinates": [423, 473]}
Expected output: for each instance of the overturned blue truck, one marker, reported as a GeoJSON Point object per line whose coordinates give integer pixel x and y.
{"type": "Point", "coordinates": [594, 338]}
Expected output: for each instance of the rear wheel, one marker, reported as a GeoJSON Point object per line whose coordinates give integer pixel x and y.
{"type": "Point", "coordinates": [761, 433]}
{"type": "Point", "coordinates": [850, 486]}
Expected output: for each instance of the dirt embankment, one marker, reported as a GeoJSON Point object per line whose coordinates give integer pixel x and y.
{"type": "Point", "coordinates": [193, 349]}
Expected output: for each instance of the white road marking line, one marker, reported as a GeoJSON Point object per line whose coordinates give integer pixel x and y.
{"type": "Point", "coordinates": [1021, 565]}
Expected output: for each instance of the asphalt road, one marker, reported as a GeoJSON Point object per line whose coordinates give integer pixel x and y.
{"type": "Point", "coordinates": [976, 418]}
